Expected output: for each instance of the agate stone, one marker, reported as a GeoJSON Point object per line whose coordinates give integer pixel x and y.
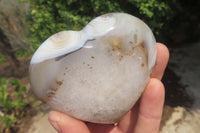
{"type": "Point", "coordinates": [96, 74]}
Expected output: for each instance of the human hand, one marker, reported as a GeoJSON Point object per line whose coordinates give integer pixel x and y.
{"type": "Point", "coordinates": [144, 117]}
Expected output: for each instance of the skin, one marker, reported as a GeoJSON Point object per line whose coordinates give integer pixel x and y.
{"type": "Point", "coordinates": [144, 117]}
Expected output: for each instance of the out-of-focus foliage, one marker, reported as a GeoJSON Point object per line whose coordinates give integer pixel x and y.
{"type": "Point", "coordinates": [2, 58]}
{"type": "Point", "coordinates": [154, 12]}
{"type": "Point", "coordinates": [50, 16]}
{"type": "Point", "coordinates": [13, 30]}
{"type": "Point", "coordinates": [24, 53]}
{"type": "Point", "coordinates": [11, 101]}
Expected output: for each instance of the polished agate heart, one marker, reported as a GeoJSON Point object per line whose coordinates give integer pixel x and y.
{"type": "Point", "coordinates": [96, 74]}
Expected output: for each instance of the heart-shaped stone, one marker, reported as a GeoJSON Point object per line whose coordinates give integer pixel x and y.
{"type": "Point", "coordinates": [96, 74]}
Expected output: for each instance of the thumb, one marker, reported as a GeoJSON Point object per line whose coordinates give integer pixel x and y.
{"type": "Point", "coordinates": [66, 124]}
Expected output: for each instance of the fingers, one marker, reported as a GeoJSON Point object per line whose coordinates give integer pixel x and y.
{"type": "Point", "coordinates": [161, 61]}
{"type": "Point", "coordinates": [103, 128]}
{"type": "Point", "coordinates": [66, 124]}
{"type": "Point", "coordinates": [151, 106]}
{"type": "Point", "coordinates": [127, 123]}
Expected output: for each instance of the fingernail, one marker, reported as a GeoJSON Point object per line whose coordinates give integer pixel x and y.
{"type": "Point", "coordinates": [55, 125]}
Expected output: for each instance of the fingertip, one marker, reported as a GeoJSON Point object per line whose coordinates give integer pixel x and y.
{"type": "Point", "coordinates": [151, 107]}
{"type": "Point", "coordinates": [51, 115]}
{"type": "Point", "coordinates": [163, 49]}
{"type": "Point", "coordinates": [161, 61]}
{"type": "Point", "coordinates": [154, 89]}
{"type": "Point", "coordinates": [64, 123]}
{"type": "Point", "coordinates": [56, 116]}
{"type": "Point", "coordinates": [54, 120]}
{"type": "Point", "coordinates": [152, 99]}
